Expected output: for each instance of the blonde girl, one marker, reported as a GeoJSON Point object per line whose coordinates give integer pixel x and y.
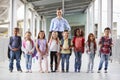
{"type": "Point", "coordinates": [28, 48]}
{"type": "Point", "coordinates": [54, 48]}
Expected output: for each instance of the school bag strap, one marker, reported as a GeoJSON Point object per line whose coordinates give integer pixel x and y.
{"type": "Point", "coordinates": [24, 43]}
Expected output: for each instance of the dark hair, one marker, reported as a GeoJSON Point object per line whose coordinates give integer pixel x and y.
{"type": "Point", "coordinates": [81, 32]}
{"type": "Point", "coordinates": [59, 8]}
{"type": "Point", "coordinates": [91, 34]}
{"type": "Point", "coordinates": [65, 30]}
{"type": "Point", "coordinates": [107, 28]}
{"type": "Point", "coordinates": [17, 29]}
{"type": "Point", "coordinates": [40, 32]}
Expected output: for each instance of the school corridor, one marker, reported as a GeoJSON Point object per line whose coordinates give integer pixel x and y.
{"type": "Point", "coordinates": [91, 16]}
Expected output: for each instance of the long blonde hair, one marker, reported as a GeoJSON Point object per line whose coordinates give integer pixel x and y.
{"type": "Point", "coordinates": [51, 38]}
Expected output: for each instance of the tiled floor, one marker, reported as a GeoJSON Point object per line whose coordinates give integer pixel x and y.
{"type": "Point", "coordinates": [113, 72]}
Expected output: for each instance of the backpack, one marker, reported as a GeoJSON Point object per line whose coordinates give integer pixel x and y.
{"type": "Point", "coordinates": [10, 42]}
{"type": "Point", "coordinates": [35, 51]}
{"type": "Point", "coordinates": [103, 39]}
{"type": "Point", "coordinates": [69, 43]}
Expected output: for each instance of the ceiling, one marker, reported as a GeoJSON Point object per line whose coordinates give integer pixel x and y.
{"type": "Point", "coordinates": [4, 7]}
{"type": "Point", "coordinates": [2, 29]}
{"type": "Point", "coordinates": [48, 7]}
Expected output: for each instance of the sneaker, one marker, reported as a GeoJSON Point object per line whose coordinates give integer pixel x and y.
{"type": "Point", "coordinates": [92, 71]}
{"type": "Point", "coordinates": [30, 71]}
{"type": "Point", "coordinates": [105, 71]}
{"type": "Point", "coordinates": [26, 71]}
{"type": "Point", "coordinates": [87, 71]}
{"type": "Point", "coordinates": [67, 71]}
{"type": "Point", "coordinates": [75, 70]}
{"type": "Point", "coordinates": [57, 70]}
{"type": "Point", "coordinates": [41, 71]}
{"type": "Point", "coordinates": [63, 71]}
{"type": "Point", "coordinates": [46, 71]}
{"type": "Point", "coordinates": [98, 71]}
{"type": "Point", "coordinates": [20, 70]}
{"type": "Point", "coordinates": [52, 71]}
{"type": "Point", "coordinates": [78, 70]}
{"type": "Point", "coordinates": [10, 70]}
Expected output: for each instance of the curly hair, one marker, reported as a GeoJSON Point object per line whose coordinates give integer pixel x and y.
{"type": "Point", "coordinates": [81, 32]}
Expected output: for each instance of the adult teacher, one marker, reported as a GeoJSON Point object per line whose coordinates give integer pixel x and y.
{"type": "Point", "coordinates": [59, 24]}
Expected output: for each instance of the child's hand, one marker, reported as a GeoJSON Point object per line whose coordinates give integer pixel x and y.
{"type": "Point", "coordinates": [15, 49]}
{"type": "Point", "coordinates": [57, 53]}
{"type": "Point", "coordinates": [47, 53]}
{"type": "Point", "coordinates": [65, 48]}
{"type": "Point", "coordinates": [30, 52]}
{"type": "Point", "coordinates": [87, 51]}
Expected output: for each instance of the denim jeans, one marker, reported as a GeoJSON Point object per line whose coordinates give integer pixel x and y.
{"type": "Point", "coordinates": [15, 55]}
{"type": "Point", "coordinates": [104, 58]}
{"type": "Point", "coordinates": [65, 57]}
{"type": "Point", "coordinates": [28, 60]}
{"type": "Point", "coordinates": [78, 61]}
{"type": "Point", "coordinates": [91, 57]}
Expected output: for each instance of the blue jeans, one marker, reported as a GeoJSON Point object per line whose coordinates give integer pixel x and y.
{"type": "Point", "coordinates": [15, 55]}
{"type": "Point", "coordinates": [78, 61]}
{"type": "Point", "coordinates": [104, 58]}
{"type": "Point", "coordinates": [91, 57]}
{"type": "Point", "coordinates": [28, 60]}
{"type": "Point", "coordinates": [65, 57]}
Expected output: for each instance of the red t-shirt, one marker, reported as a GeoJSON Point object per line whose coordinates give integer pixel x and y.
{"type": "Point", "coordinates": [78, 43]}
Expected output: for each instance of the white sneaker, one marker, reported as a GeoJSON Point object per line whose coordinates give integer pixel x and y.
{"type": "Point", "coordinates": [30, 71]}
{"type": "Point", "coordinates": [26, 71]}
{"type": "Point", "coordinates": [92, 71]}
{"type": "Point", "coordinates": [87, 71]}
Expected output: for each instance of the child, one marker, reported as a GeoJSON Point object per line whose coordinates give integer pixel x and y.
{"type": "Point", "coordinates": [78, 43]}
{"type": "Point", "coordinates": [105, 45]}
{"type": "Point", "coordinates": [90, 49]}
{"type": "Point", "coordinates": [65, 50]}
{"type": "Point", "coordinates": [28, 48]}
{"type": "Point", "coordinates": [42, 50]}
{"type": "Point", "coordinates": [54, 47]}
{"type": "Point", "coordinates": [15, 50]}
